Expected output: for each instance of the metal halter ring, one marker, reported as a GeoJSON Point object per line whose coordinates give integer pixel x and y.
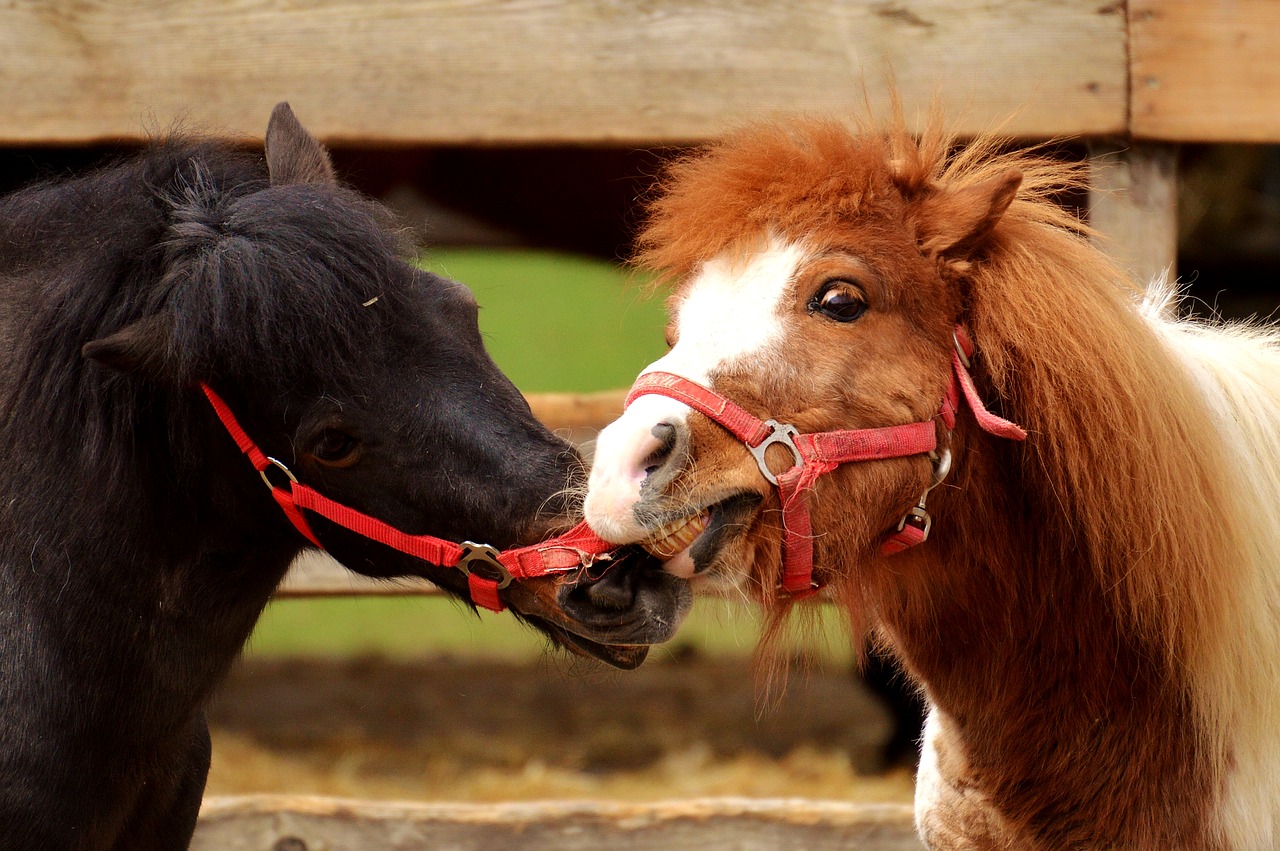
{"type": "Point", "coordinates": [280, 464]}
{"type": "Point", "coordinates": [784, 434]}
{"type": "Point", "coordinates": [482, 555]}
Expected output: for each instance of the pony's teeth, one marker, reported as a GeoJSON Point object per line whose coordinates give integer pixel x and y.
{"type": "Point", "coordinates": [675, 537]}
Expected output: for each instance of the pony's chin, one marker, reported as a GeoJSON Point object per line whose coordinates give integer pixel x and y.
{"type": "Point", "coordinates": [612, 614]}
{"type": "Point", "coordinates": [681, 564]}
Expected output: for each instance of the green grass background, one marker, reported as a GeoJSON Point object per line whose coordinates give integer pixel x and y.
{"type": "Point", "coordinates": [552, 322]}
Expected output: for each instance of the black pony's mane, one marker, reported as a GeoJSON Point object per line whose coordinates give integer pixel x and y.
{"type": "Point", "coordinates": [248, 280]}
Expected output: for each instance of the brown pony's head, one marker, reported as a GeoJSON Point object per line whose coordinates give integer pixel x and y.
{"type": "Point", "coordinates": [819, 274]}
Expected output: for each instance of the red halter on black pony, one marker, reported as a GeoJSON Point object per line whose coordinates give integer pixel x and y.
{"type": "Point", "coordinates": [821, 452]}
{"type": "Point", "coordinates": [577, 548]}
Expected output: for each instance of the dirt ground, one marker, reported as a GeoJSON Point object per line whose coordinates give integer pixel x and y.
{"type": "Point", "coordinates": [476, 730]}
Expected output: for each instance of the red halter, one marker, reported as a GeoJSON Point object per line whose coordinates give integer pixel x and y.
{"type": "Point", "coordinates": [822, 452]}
{"type": "Point", "coordinates": [576, 548]}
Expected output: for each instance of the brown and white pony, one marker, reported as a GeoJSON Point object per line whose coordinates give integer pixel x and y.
{"type": "Point", "coordinates": [1095, 616]}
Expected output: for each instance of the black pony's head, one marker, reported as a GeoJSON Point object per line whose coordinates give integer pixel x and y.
{"type": "Point", "coordinates": [289, 295]}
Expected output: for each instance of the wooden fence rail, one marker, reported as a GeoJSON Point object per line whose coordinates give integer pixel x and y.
{"type": "Point", "coordinates": [424, 71]}
{"type": "Point", "coordinates": [290, 823]}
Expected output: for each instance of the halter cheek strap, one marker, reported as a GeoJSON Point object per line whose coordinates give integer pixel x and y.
{"type": "Point", "coordinates": [819, 453]}
{"type": "Point", "coordinates": [488, 570]}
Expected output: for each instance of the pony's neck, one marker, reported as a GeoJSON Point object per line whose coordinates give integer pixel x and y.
{"type": "Point", "coordinates": [149, 544]}
{"type": "Point", "coordinates": [1031, 667]}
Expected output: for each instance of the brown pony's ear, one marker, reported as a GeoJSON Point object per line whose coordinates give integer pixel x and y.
{"type": "Point", "coordinates": [293, 155]}
{"type": "Point", "coordinates": [954, 222]}
{"type": "Point", "coordinates": [139, 347]}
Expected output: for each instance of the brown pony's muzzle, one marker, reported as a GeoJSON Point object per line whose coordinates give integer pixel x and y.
{"type": "Point", "coordinates": [612, 611]}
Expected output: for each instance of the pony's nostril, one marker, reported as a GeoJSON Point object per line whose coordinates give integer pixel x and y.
{"type": "Point", "coordinates": [665, 434]}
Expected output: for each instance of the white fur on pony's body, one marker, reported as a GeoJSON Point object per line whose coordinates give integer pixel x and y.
{"type": "Point", "coordinates": [1237, 677]}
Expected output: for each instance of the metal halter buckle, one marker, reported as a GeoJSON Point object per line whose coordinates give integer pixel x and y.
{"type": "Point", "coordinates": [964, 358]}
{"type": "Point", "coordinates": [280, 465]}
{"type": "Point", "coordinates": [784, 434]}
{"type": "Point", "coordinates": [918, 516]}
{"type": "Point", "coordinates": [482, 555]}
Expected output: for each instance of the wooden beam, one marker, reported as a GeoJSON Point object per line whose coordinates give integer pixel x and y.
{"type": "Point", "coordinates": [1133, 204]}
{"type": "Point", "coordinates": [1205, 70]}
{"type": "Point", "coordinates": [317, 574]}
{"type": "Point", "coordinates": [428, 71]}
{"type": "Point", "coordinates": [285, 823]}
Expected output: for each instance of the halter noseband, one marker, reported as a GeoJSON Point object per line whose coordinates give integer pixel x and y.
{"type": "Point", "coordinates": [821, 452]}
{"type": "Point", "coordinates": [577, 548]}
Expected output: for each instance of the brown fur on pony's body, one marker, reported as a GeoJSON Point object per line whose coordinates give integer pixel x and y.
{"type": "Point", "coordinates": [1092, 618]}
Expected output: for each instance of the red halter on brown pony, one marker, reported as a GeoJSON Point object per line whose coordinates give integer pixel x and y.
{"type": "Point", "coordinates": [818, 453]}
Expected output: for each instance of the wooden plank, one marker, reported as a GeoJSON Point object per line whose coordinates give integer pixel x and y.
{"type": "Point", "coordinates": [317, 574]}
{"type": "Point", "coordinates": [283, 823]}
{"type": "Point", "coordinates": [1133, 203]}
{"type": "Point", "coordinates": [431, 71]}
{"type": "Point", "coordinates": [577, 411]}
{"type": "Point", "coordinates": [1206, 70]}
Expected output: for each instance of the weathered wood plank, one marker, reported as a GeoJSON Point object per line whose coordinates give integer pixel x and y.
{"type": "Point", "coordinates": [1133, 203]}
{"type": "Point", "coordinates": [1206, 70]}
{"type": "Point", "coordinates": [282, 823]}
{"type": "Point", "coordinates": [431, 71]}
{"type": "Point", "coordinates": [317, 574]}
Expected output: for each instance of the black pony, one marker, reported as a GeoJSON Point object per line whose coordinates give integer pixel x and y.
{"type": "Point", "coordinates": [137, 545]}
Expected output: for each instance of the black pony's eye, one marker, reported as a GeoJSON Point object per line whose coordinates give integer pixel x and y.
{"type": "Point", "coordinates": [839, 300]}
{"type": "Point", "coordinates": [336, 448]}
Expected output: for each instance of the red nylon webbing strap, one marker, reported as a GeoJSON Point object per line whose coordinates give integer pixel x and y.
{"type": "Point", "coordinates": [902, 539]}
{"type": "Point", "coordinates": [260, 463]}
{"type": "Point", "coordinates": [484, 592]}
{"type": "Point", "coordinates": [742, 425]}
{"type": "Point", "coordinates": [428, 548]}
{"type": "Point", "coordinates": [286, 502]}
{"type": "Point", "coordinates": [797, 527]}
{"type": "Point", "coordinates": [989, 422]}
{"type": "Point", "coordinates": [869, 444]}
{"type": "Point", "coordinates": [238, 434]}
{"type": "Point", "coordinates": [578, 547]}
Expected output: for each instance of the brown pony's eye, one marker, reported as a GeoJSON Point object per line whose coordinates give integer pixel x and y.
{"type": "Point", "coordinates": [336, 448]}
{"type": "Point", "coordinates": [839, 300]}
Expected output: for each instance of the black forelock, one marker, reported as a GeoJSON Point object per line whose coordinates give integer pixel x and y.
{"type": "Point", "coordinates": [259, 282]}
{"type": "Point", "coordinates": [256, 281]}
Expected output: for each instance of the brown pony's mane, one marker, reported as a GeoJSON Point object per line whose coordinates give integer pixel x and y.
{"type": "Point", "coordinates": [1064, 351]}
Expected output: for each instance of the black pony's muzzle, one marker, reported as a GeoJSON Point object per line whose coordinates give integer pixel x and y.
{"type": "Point", "coordinates": [613, 610]}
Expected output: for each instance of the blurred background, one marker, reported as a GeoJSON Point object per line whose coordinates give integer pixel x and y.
{"type": "Point", "coordinates": [517, 143]}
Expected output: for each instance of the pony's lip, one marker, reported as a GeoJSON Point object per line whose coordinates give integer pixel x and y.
{"type": "Point", "coordinates": [612, 614]}
{"type": "Point", "coordinates": [724, 520]}
{"type": "Point", "coordinates": [624, 656]}
{"type": "Point", "coordinates": [678, 535]}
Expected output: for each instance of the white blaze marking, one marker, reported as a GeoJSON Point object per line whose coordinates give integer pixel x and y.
{"type": "Point", "coordinates": [732, 312]}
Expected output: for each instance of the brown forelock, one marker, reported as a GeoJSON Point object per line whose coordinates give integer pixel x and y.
{"type": "Point", "coordinates": [1068, 579]}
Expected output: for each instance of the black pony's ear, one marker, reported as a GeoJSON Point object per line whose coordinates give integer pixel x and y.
{"type": "Point", "coordinates": [955, 222]}
{"type": "Point", "coordinates": [139, 347]}
{"type": "Point", "coordinates": [293, 155]}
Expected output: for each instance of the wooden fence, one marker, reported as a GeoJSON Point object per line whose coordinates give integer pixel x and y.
{"type": "Point", "coordinates": [1135, 77]}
